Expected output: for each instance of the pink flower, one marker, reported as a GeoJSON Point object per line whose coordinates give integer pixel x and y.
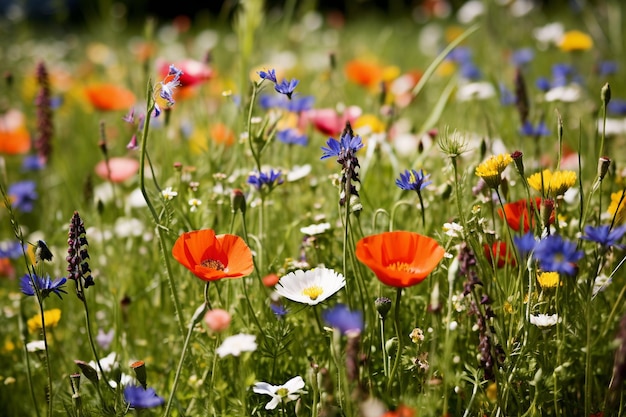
{"type": "Point", "coordinates": [194, 72]}
{"type": "Point", "coordinates": [329, 121]}
{"type": "Point", "coordinates": [121, 169]}
{"type": "Point", "coordinates": [217, 319]}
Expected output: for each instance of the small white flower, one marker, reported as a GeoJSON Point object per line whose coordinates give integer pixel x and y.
{"type": "Point", "coordinates": [452, 229]}
{"type": "Point", "coordinates": [470, 11]}
{"type": "Point", "coordinates": [481, 90]}
{"type": "Point", "coordinates": [566, 93]}
{"type": "Point", "coordinates": [168, 193]}
{"type": "Point", "coordinates": [310, 287]}
{"type": "Point", "coordinates": [315, 229]}
{"type": "Point", "coordinates": [549, 34]}
{"type": "Point", "coordinates": [544, 320]}
{"type": "Point", "coordinates": [298, 172]}
{"type": "Point", "coordinates": [35, 346]}
{"type": "Point", "coordinates": [127, 227]}
{"type": "Point", "coordinates": [280, 393]}
{"type": "Point", "coordinates": [235, 345]}
{"type": "Point", "coordinates": [194, 203]}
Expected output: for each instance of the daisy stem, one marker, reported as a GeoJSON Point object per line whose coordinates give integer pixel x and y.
{"type": "Point", "coordinates": [155, 216]}
{"type": "Point", "coordinates": [194, 320]}
{"type": "Point", "coordinates": [396, 317]}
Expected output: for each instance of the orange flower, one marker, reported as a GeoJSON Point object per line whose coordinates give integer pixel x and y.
{"type": "Point", "coordinates": [222, 134]}
{"type": "Point", "coordinates": [367, 74]}
{"type": "Point", "coordinates": [500, 253]}
{"type": "Point", "coordinates": [212, 257]}
{"type": "Point", "coordinates": [401, 411]}
{"type": "Point", "coordinates": [399, 259]}
{"type": "Point", "coordinates": [110, 97]}
{"type": "Point", "coordinates": [521, 214]}
{"type": "Point", "coordinates": [14, 137]}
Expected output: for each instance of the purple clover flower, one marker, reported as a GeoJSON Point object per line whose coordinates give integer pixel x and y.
{"type": "Point", "coordinates": [45, 285]}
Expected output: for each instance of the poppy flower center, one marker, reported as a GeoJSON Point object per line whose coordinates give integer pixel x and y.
{"type": "Point", "coordinates": [313, 292]}
{"type": "Point", "coordinates": [402, 266]}
{"type": "Point", "coordinates": [213, 264]}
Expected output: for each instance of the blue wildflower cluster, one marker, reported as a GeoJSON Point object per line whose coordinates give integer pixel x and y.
{"type": "Point", "coordinates": [467, 68]}
{"type": "Point", "coordinates": [265, 181]}
{"type": "Point", "coordinates": [292, 137]}
{"type": "Point", "coordinates": [297, 104]}
{"type": "Point", "coordinates": [23, 195]}
{"type": "Point", "coordinates": [344, 150]}
{"type": "Point", "coordinates": [553, 253]}
{"type": "Point", "coordinates": [286, 87]}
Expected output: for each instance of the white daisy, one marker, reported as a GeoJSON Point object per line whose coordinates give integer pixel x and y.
{"type": "Point", "coordinates": [194, 203]}
{"type": "Point", "coordinates": [315, 229]}
{"type": "Point", "coordinates": [310, 287]}
{"type": "Point", "coordinates": [168, 193]}
{"type": "Point", "coordinates": [567, 93]}
{"type": "Point", "coordinates": [480, 90]}
{"type": "Point", "coordinates": [544, 320]}
{"type": "Point", "coordinates": [280, 393]}
{"type": "Point", "coordinates": [236, 345]}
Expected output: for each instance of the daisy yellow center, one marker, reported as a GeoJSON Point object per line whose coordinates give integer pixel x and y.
{"type": "Point", "coordinates": [401, 266]}
{"type": "Point", "coordinates": [313, 292]}
{"type": "Point", "coordinates": [282, 392]}
{"type": "Point", "coordinates": [213, 264]}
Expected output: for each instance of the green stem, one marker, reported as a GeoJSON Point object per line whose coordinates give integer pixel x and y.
{"type": "Point", "coordinates": [383, 347]}
{"type": "Point", "coordinates": [396, 362]}
{"type": "Point", "coordinates": [153, 212]}
{"type": "Point", "coordinates": [91, 341]}
{"type": "Point", "coordinates": [194, 320]}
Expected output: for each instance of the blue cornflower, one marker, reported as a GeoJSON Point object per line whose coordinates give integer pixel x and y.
{"type": "Point", "coordinates": [522, 56]}
{"type": "Point", "coordinates": [543, 84]}
{"type": "Point", "coordinates": [617, 107]}
{"type": "Point", "coordinates": [32, 163]}
{"type": "Point", "coordinates": [267, 101]}
{"type": "Point", "coordinates": [286, 87]}
{"type": "Point", "coordinates": [278, 309]}
{"type": "Point", "coordinates": [557, 255]}
{"type": "Point", "coordinates": [23, 195]}
{"type": "Point", "coordinates": [470, 71]}
{"type": "Point", "coordinates": [345, 147]}
{"type": "Point", "coordinates": [525, 244]}
{"type": "Point", "coordinates": [607, 68]}
{"type": "Point", "coordinates": [44, 284]}
{"type": "Point", "coordinates": [137, 397]}
{"type": "Point", "coordinates": [341, 318]}
{"type": "Point", "coordinates": [560, 74]}
{"type": "Point", "coordinates": [268, 75]}
{"type": "Point", "coordinates": [528, 129]}
{"type": "Point", "coordinates": [292, 137]}
{"type": "Point", "coordinates": [604, 235]}
{"type": "Point", "coordinates": [299, 104]}
{"type": "Point", "coordinates": [261, 180]}
{"type": "Point", "coordinates": [412, 180]}
{"type": "Point", "coordinates": [507, 98]}
{"type": "Point", "coordinates": [11, 249]}
{"type": "Point", "coordinates": [460, 54]}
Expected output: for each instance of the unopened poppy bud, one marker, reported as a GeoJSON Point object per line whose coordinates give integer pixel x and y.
{"type": "Point", "coordinates": [140, 372]}
{"type": "Point", "coordinates": [88, 371]}
{"type": "Point", "coordinates": [518, 158]}
{"type": "Point", "coordinates": [603, 167]}
{"type": "Point", "coordinates": [383, 305]}
{"type": "Point", "coordinates": [546, 210]}
{"type": "Point", "coordinates": [178, 166]}
{"type": "Point", "coordinates": [238, 201]}
{"type": "Point", "coordinates": [605, 94]}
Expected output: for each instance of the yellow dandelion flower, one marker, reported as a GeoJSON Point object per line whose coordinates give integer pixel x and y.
{"type": "Point", "coordinates": [548, 280]}
{"type": "Point", "coordinates": [617, 208]}
{"type": "Point", "coordinates": [575, 40]}
{"type": "Point", "coordinates": [51, 317]}
{"type": "Point", "coordinates": [554, 183]}
{"type": "Point", "coordinates": [491, 170]}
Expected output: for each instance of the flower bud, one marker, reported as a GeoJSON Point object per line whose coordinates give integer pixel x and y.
{"type": "Point", "coordinates": [383, 305]}
{"type": "Point", "coordinates": [518, 158]}
{"type": "Point", "coordinates": [238, 201]}
{"type": "Point", "coordinates": [605, 94]}
{"type": "Point", "coordinates": [140, 372]}
{"type": "Point", "coordinates": [603, 167]}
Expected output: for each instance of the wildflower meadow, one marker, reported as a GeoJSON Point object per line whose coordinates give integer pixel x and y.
{"type": "Point", "coordinates": [284, 209]}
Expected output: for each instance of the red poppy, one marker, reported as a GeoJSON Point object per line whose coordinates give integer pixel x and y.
{"type": "Point", "coordinates": [399, 259]}
{"type": "Point", "coordinates": [500, 252]}
{"type": "Point", "coordinates": [212, 257]}
{"type": "Point", "coordinates": [519, 212]}
{"type": "Point", "coordinates": [329, 122]}
{"type": "Point", "coordinates": [14, 136]}
{"type": "Point", "coordinates": [110, 97]}
{"type": "Point", "coordinates": [401, 411]}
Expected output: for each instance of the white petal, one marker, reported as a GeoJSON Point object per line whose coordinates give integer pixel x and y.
{"type": "Point", "coordinates": [294, 384]}
{"type": "Point", "coordinates": [272, 404]}
{"type": "Point", "coordinates": [264, 388]}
